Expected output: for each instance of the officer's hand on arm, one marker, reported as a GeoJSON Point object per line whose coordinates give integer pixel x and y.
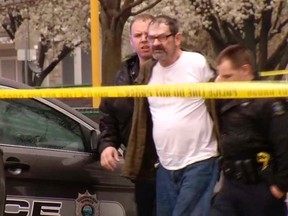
{"type": "Point", "coordinates": [109, 158]}
{"type": "Point", "coordinates": [276, 192]}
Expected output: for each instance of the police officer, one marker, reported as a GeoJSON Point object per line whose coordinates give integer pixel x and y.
{"type": "Point", "coordinates": [116, 114]}
{"type": "Point", "coordinates": [253, 145]}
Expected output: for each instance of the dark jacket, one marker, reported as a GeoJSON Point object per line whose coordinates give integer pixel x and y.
{"type": "Point", "coordinates": [249, 126]}
{"type": "Point", "coordinates": [116, 113]}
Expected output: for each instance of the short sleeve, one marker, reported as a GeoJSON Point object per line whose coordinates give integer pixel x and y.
{"type": "Point", "coordinates": [207, 72]}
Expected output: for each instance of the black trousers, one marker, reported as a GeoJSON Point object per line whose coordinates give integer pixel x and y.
{"type": "Point", "coordinates": [238, 199]}
{"type": "Point", "coordinates": [145, 197]}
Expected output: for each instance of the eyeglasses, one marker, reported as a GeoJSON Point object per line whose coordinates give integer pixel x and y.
{"type": "Point", "coordinates": [161, 38]}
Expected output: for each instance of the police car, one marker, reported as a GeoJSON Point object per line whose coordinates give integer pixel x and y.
{"type": "Point", "coordinates": [49, 164]}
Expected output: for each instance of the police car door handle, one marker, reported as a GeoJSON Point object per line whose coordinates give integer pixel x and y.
{"type": "Point", "coordinates": [15, 167]}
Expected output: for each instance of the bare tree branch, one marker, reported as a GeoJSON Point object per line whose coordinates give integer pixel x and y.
{"type": "Point", "coordinates": [104, 7]}
{"type": "Point", "coordinates": [278, 53]}
{"type": "Point", "coordinates": [279, 29]}
{"type": "Point", "coordinates": [11, 35]}
{"type": "Point", "coordinates": [65, 51]}
{"type": "Point", "coordinates": [113, 8]}
{"type": "Point", "coordinates": [232, 34]}
{"type": "Point", "coordinates": [12, 23]}
{"type": "Point", "coordinates": [126, 3]}
{"type": "Point", "coordinates": [279, 11]}
{"type": "Point", "coordinates": [282, 25]}
{"type": "Point", "coordinates": [43, 48]}
{"type": "Point", "coordinates": [145, 8]}
{"type": "Point", "coordinates": [214, 18]}
{"type": "Point", "coordinates": [264, 38]}
{"type": "Point", "coordinates": [282, 63]}
{"type": "Point", "coordinates": [284, 60]}
{"type": "Point", "coordinates": [249, 29]}
{"type": "Point", "coordinates": [218, 41]}
{"type": "Point", "coordinates": [127, 7]}
{"type": "Point", "coordinates": [221, 26]}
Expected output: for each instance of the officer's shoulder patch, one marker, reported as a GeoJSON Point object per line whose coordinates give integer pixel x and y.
{"type": "Point", "coordinates": [278, 108]}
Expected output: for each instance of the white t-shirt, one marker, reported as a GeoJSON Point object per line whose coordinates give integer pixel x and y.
{"type": "Point", "coordinates": [182, 127]}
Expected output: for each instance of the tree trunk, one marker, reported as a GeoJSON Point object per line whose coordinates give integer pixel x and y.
{"type": "Point", "coordinates": [264, 39]}
{"type": "Point", "coordinates": [284, 60]}
{"type": "Point", "coordinates": [111, 55]}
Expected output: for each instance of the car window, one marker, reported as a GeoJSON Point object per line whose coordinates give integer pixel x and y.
{"type": "Point", "coordinates": [28, 122]}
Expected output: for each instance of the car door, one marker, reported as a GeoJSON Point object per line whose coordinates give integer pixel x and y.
{"type": "Point", "coordinates": [50, 165]}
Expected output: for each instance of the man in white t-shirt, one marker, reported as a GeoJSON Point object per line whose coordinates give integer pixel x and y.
{"type": "Point", "coordinates": [182, 127]}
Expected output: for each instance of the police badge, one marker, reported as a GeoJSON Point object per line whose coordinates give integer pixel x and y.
{"type": "Point", "coordinates": [87, 205]}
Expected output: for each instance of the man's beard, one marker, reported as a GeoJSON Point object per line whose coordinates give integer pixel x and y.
{"type": "Point", "coordinates": [159, 53]}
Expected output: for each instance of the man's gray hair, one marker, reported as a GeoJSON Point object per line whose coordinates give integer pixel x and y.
{"type": "Point", "coordinates": [172, 23]}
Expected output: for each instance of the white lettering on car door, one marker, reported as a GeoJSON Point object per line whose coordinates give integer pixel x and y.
{"type": "Point", "coordinates": [17, 207]}
{"type": "Point", "coordinates": [21, 207]}
{"type": "Point", "coordinates": [41, 208]}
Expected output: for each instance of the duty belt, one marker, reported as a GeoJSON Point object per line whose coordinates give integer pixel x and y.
{"type": "Point", "coordinates": [248, 171]}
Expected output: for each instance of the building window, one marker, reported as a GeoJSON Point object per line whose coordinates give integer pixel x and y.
{"type": "Point", "coordinates": [10, 68]}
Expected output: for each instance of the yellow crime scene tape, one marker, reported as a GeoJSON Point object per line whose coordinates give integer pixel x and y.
{"type": "Point", "coordinates": [205, 90]}
{"type": "Point", "coordinates": [273, 73]}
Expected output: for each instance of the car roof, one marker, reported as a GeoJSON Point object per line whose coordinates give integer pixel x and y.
{"type": "Point", "coordinates": [17, 85]}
